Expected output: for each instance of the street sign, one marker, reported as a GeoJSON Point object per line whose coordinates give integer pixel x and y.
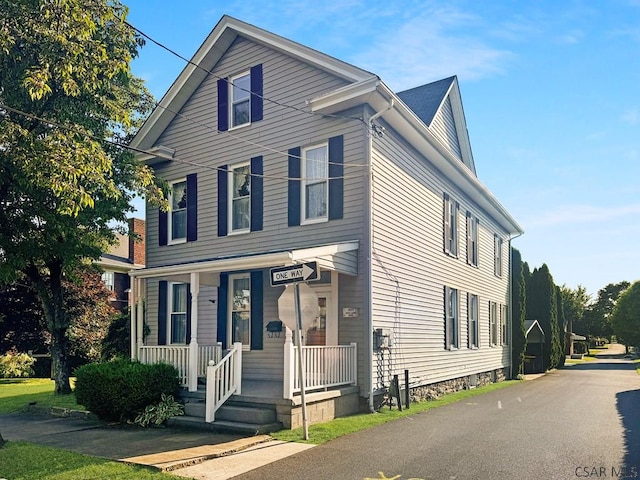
{"type": "Point", "coordinates": [304, 272]}
{"type": "Point", "coordinates": [309, 309]}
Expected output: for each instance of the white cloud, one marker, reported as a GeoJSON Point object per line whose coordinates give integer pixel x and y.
{"type": "Point", "coordinates": [436, 44]}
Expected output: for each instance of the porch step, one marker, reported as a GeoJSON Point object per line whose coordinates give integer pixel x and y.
{"type": "Point", "coordinates": [197, 423]}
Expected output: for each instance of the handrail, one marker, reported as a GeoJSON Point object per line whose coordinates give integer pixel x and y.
{"type": "Point", "coordinates": [223, 380]}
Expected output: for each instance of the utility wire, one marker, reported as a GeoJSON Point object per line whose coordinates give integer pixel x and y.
{"type": "Point", "coordinates": [74, 129]}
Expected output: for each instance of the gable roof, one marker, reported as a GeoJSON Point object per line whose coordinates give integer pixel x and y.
{"type": "Point", "coordinates": [210, 52]}
{"type": "Point", "coordinates": [425, 100]}
{"type": "Point", "coordinates": [530, 324]}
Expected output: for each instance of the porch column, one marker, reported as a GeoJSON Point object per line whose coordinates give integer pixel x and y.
{"type": "Point", "coordinates": [193, 344]}
{"type": "Point", "coordinates": [289, 365]}
{"type": "Point", "coordinates": [141, 287]}
{"type": "Point", "coordinates": [133, 320]}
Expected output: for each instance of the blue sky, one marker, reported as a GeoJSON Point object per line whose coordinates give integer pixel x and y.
{"type": "Point", "coordinates": [550, 91]}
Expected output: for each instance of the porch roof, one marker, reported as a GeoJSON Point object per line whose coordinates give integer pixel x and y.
{"type": "Point", "coordinates": [341, 257]}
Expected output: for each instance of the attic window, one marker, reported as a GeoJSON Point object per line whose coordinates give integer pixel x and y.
{"type": "Point", "coordinates": [240, 99]}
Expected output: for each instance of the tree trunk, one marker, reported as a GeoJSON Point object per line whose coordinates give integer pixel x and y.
{"type": "Point", "coordinates": [2, 441]}
{"type": "Point", "coordinates": [60, 361]}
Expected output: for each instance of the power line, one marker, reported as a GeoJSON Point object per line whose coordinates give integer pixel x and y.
{"type": "Point", "coordinates": [147, 152]}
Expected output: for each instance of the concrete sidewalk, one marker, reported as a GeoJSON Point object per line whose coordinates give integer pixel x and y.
{"type": "Point", "coordinates": [184, 452]}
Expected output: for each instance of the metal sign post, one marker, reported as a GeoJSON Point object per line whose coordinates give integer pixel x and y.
{"type": "Point", "coordinates": [301, 369]}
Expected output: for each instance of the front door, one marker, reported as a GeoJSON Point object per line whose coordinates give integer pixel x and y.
{"type": "Point", "coordinates": [324, 329]}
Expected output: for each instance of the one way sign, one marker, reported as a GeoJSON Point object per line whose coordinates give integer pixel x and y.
{"type": "Point", "coordinates": [304, 272]}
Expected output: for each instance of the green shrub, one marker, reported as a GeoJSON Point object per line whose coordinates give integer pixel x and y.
{"type": "Point", "coordinates": [119, 390]}
{"type": "Point", "coordinates": [16, 365]}
{"type": "Point", "coordinates": [159, 413]}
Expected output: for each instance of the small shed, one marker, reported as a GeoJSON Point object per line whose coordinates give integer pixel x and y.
{"type": "Point", "coordinates": [535, 346]}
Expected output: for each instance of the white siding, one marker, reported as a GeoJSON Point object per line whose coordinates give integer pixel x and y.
{"type": "Point", "coordinates": [410, 268]}
{"type": "Point", "coordinates": [444, 127]}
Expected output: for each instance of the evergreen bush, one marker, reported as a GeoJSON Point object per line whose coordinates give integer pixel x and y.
{"type": "Point", "coordinates": [119, 390]}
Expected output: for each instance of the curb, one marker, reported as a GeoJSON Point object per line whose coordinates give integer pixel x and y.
{"type": "Point", "coordinates": [60, 412]}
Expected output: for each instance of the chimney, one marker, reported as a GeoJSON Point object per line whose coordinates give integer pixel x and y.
{"type": "Point", "coordinates": [137, 241]}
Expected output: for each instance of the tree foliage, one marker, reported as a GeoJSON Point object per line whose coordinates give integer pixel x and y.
{"type": "Point", "coordinates": [598, 315]}
{"type": "Point", "coordinates": [625, 319]}
{"type": "Point", "coordinates": [519, 299]}
{"type": "Point", "coordinates": [66, 95]}
{"type": "Point", "coordinates": [562, 326]}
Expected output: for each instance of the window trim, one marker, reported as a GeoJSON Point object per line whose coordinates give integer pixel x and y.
{"type": "Point", "coordinates": [109, 279]}
{"type": "Point", "coordinates": [473, 240]}
{"type": "Point", "coordinates": [304, 183]}
{"type": "Point", "coordinates": [452, 319]}
{"type": "Point", "coordinates": [473, 319]}
{"type": "Point", "coordinates": [232, 102]}
{"type": "Point", "coordinates": [171, 313]}
{"type": "Point", "coordinates": [504, 330]}
{"type": "Point", "coordinates": [230, 309]}
{"type": "Point", "coordinates": [493, 324]}
{"type": "Point", "coordinates": [230, 198]}
{"type": "Point", "coordinates": [497, 255]}
{"type": "Point", "coordinates": [170, 239]}
{"type": "Point", "coordinates": [451, 240]}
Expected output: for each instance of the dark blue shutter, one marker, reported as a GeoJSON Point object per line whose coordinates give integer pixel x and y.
{"type": "Point", "coordinates": [223, 295]}
{"type": "Point", "coordinates": [257, 193]}
{"type": "Point", "coordinates": [223, 205]}
{"type": "Point", "coordinates": [188, 340]}
{"type": "Point", "coordinates": [192, 207]}
{"type": "Point", "coordinates": [162, 312]}
{"type": "Point", "coordinates": [223, 105]}
{"type": "Point", "coordinates": [257, 310]}
{"type": "Point", "coordinates": [294, 186]}
{"type": "Point", "coordinates": [163, 219]}
{"type": "Point", "coordinates": [336, 180]}
{"type": "Point", "coordinates": [256, 93]}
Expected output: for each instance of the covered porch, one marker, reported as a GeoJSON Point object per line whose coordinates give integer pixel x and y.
{"type": "Point", "coordinates": [234, 359]}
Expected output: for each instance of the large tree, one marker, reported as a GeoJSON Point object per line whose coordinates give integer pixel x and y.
{"type": "Point", "coordinates": [67, 97]}
{"type": "Point", "coordinates": [598, 315]}
{"type": "Point", "coordinates": [625, 318]}
{"type": "Point", "coordinates": [518, 302]}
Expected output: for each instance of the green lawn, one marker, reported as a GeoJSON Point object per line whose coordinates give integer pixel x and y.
{"type": "Point", "coordinates": [17, 393]}
{"type": "Point", "coordinates": [26, 461]}
{"type": "Point", "coordinates": [324, 432]}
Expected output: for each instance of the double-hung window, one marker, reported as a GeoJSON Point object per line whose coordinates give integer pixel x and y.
{"type": "Point", "coordinates": [240, 99]}
{"type": "Point", "coordinates": [178, 312]}
{"type": "Point", "coordinates": [493, 323]}
{"type": "Point", "coordinates": [451, 318]}
{"type": "Point", "coordinates": [472, 240]}
{"type": "Point", "coordinates": [108, 278]}
{"type": "Point", "coordinates": [240, 311]}
{"type": "Point", "coordinates": [497, 256]}
{"type": "Point", "coordinates": [240, 198]}
{"type": "Point", "coordinates": [178, 212]}
{"type": "Point", "coordinates": [503, 325]}
{"type": "Point", "coordinates": [472, 314]}
{"type": "Point", "coordinates": [451, 208]}
{"type": "Point", "coordinates": [315, 182]}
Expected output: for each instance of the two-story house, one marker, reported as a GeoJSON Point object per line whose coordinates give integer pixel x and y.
{"type": "Point", "coordinates": [277, 154]}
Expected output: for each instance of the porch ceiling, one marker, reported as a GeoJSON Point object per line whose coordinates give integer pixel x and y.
{"type": "Point", "coordinates": [341, 257]}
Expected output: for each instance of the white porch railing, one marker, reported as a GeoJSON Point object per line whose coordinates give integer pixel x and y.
{"type": "Point", "coordinates": [178, 356]}
{"type": "Point", "coordinates": [223, 380]}
{"type": "Point", "coordinates": [325, 366]}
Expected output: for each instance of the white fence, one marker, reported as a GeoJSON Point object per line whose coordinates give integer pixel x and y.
{"type": "Point", "coordinates": [325, 367]}
{"type": "Point", "coordinates": [178, 356]}
{"type": "Point", "coordinates": [223, 380]}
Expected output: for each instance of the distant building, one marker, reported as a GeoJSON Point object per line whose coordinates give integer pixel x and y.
{"type": "Point", "coordinates": [126, 255]}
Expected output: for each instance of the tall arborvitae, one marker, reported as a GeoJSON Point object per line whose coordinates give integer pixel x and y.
{"type": "Point", "coordinates": [562, 335]}
{"type": "Point", "coordinates": [541, 306]}
{"type": "Point", "coordinates": [518, 309]}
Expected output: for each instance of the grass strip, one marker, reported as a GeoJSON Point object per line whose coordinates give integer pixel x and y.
{"type": "Point", "coordinates": [17, 393]}
{"type": "Point", "coordinates": [324, 432]}
{"type": "Point", "coordinates": [27, 461]}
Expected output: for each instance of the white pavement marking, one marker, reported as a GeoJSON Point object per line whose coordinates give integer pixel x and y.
{"type": "Point", "coordinates": [243, 461]}
{"type": "Point", "coordinates": [499, 405]}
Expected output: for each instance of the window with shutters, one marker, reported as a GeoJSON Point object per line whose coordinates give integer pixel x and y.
{"type": "Point", "coordinates": [451, 208]}
{"type": "Point", "coordinates": [178, 213]}
{"type": "Point", "coordinates": [451, 318]}
{"type": "Point", "coordinates": [315, 183]}
{"type": "Point", "coordinates": [240, 95]}
{"type": "Point", "coordinates": [472, 240]}
{"type": "Point", "coordinates": [497, 256]}
{"type": "Point", "coordinates": [178, 293]}
{"type": "Point", "coordinates": [240, 309]}
{"type": "Point", "coordinates": [240, 198]}
{"type": "Point", "coordinates": [472, 314]}
{"type": "Point", "coordinates": [504, 337]}
{"type": "Point", "coordinates": [240, 101]}
{"type": "Point", "coordinates": [493, 323]}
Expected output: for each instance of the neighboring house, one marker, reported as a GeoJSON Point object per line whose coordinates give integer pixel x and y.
{"type": "Point", "coordinates": [128, 253]}
{"type": "Point", "coordinates": [277, 154]}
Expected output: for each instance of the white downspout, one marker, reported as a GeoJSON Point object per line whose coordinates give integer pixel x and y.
{"type": "Point", "coordinates": [511, 301]}
{"type": "Point", "coordinates": [369, 217]}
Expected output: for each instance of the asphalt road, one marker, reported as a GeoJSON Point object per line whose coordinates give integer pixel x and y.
{"type": "Point", "coordinates": [579, 422]}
